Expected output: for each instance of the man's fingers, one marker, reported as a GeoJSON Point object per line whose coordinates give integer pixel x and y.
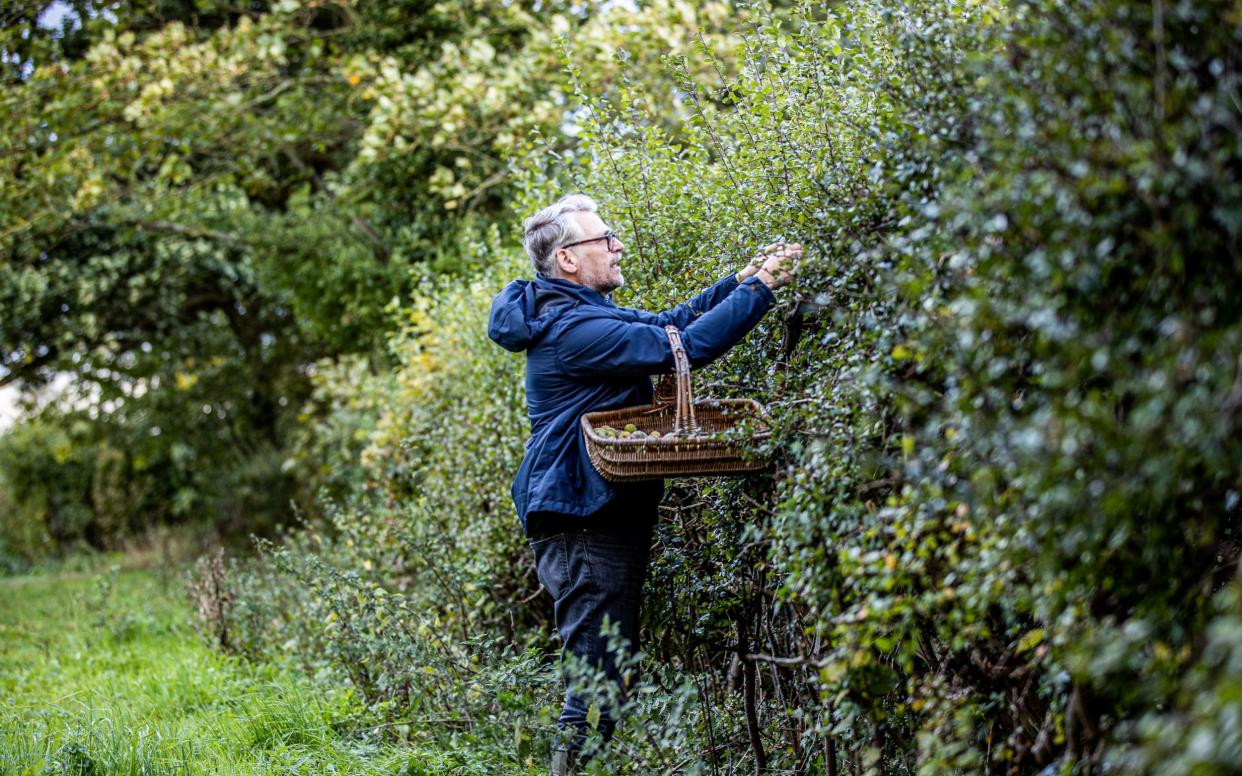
{"type": "Point", "coordinates": [780, 247]}
{"type": "Point", "coordinates": [775, 258]}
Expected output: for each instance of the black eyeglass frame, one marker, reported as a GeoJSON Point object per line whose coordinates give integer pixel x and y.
{"type": "Point", "coordinates": [609, 235]}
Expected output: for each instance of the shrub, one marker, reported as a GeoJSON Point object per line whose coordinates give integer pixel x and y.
{"type": "Point", "coordinates": [1003, 395]}
{"type": "Point", "coordinates": [407, 582]}
{"type": "Point", "coordinates": [47, 470]}
{"type": "Point", "coordinates": [998, 435]}
{"type": "Point", "coordinates": [417, 478]}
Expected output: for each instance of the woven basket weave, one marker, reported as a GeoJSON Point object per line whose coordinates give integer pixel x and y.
{"type": "Point", "coordinates": [694, 451]}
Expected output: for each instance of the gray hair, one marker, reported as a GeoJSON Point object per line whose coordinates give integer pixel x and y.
{"type": "Point", "coordinates": [551, 228]}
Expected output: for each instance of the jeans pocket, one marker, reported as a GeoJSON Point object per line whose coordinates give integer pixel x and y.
{"type": "Point", "coordinates": [551, 564]}
{"type": "Point", "coordinates": [616, 563]}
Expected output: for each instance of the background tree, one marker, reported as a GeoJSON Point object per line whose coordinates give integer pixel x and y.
{"type": "Point", "coordinates": [201, 199]}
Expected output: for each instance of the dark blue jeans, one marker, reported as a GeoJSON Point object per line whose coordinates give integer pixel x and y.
{"type": "Point", "coordinates": [593, 574]}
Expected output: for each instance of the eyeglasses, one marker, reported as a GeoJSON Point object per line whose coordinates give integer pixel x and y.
{"type": "Point", "coordinates": [614, 242]}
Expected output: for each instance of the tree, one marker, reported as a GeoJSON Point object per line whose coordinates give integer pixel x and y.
{"type": "Point", "coordinates": [203, 198]}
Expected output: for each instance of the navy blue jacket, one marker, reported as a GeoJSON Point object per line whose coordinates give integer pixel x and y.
{"type": "Point", "coordinates": [584, 354]}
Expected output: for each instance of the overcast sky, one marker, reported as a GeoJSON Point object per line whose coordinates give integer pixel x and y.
{"type": "Point", "coordinates": [7, 411]}
{"type": "Point", "coordinates": [55, 12]}
{"type": "Point", "coordinates": [8, 396]}
{"type": "Point", "coordinates": [50, 18]}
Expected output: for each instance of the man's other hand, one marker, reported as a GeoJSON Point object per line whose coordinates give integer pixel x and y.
{"type": "Point", "coordinates": [774, 264]}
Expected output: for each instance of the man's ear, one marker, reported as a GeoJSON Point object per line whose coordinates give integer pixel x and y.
{"type": "Point", "coordinates": [566, 262]}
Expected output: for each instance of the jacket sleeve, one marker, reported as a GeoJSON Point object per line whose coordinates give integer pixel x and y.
{"type": "Point", "coordinates": [683, 314]}
{"type": "Point", "coordinates": [604, 346]}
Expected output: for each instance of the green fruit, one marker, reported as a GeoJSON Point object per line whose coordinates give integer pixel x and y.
{"type": "Point", "coordinates": [630, 427]}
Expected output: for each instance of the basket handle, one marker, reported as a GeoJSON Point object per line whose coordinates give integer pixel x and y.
{"type": "Point", "coordinates": [684, 422]}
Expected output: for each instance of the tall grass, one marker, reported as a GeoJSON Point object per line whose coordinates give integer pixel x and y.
{"type": "Point", "coordinates": [101, 674]}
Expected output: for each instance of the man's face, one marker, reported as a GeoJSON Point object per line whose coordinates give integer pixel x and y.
{"type": "Point", "coordinates": [598, 267]}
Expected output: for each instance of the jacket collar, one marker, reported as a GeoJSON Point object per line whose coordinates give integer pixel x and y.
{"type": "Point", "coordinates": [559, 288]}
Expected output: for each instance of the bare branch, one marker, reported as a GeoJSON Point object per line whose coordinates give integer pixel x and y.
{"type": "Point", "coordinates": [786, 662]}
{"type": "Point", "coordinates": [168, 227]}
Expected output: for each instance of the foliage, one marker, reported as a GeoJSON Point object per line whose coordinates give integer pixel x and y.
{"type": "Point", "coordinates": [201, 199]}
{"type": "Point", "coordinates": [48, 489]}
{"type": "Point", "coordinates": [100, 674]}
{"type": "Point", "coordinates": [1200, 733]}
{"type": "Point", "coordinates": [1010, 451]}
{"type": "Point", "coordinates": [76, 483]}
{"type": "Point", "coordinates": [420, 469]}
{"type": "Point", "coordinates": [1001, 534]}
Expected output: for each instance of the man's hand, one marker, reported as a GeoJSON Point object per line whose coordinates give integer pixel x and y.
{"type": "Point", "coordinates": [774, 264]}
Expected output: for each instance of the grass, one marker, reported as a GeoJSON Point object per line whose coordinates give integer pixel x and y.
{"type": "Point", "coordinates": [101, 673]}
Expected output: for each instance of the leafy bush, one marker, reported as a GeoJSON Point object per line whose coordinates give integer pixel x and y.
{"type": "Point", "coordinates": [47, 475]}
{"type": "Point", "coordinates": [72, 482]}
{"type": "Point", "coordinates": [999, 434]}
{"type": "Point", "coordinates": [1004, 396]}
{"type": "Point", "coordinates": [410, 588]}
{"type": "Point", "coordinates": [417, 461]}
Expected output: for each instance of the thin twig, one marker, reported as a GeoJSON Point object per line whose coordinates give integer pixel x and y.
{"type": "Point", "coordinates": [786, 662]}
{"type": "Point", "coordinates": [756, 504]}
{"type": "Point", "coordinates": [533, 595]}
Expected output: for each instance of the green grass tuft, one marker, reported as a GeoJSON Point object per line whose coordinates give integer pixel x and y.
{"type": "Point", "coordinates": [102, 674]}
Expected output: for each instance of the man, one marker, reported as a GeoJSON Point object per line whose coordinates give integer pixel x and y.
{"type": "Point", "coordinates": [590, 538]}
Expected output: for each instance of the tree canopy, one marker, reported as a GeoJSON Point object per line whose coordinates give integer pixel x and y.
{"type": "Point", "coordinates": [201, 199]}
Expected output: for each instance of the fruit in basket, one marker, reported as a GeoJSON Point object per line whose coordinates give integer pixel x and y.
{"type": "Point", "coordinates": [631, 431]}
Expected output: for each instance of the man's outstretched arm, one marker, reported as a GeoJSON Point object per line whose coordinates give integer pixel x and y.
{"type": "Point", "coordinates": [683, 314]}
{"type": "Point", "coordinates": [607, 347]}
{"type": "Point", "coordinates": [604, 346]}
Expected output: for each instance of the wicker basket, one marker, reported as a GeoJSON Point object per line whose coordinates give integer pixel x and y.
{"type": "Point", "coordinates": [693, 451]}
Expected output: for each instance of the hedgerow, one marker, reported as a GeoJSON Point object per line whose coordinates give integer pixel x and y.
{"type": "Point", "coordinates": [1001, 532]}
